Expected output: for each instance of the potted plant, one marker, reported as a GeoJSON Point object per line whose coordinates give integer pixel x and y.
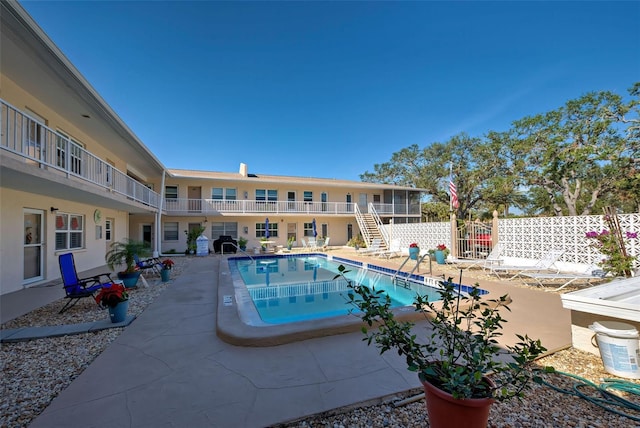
{"type": "Point", "coordinates": [115, 298]}
{"type": "Point", "coordinates": [123, 253]}
{"type": "Point", "coordinates": [441, 252]}
{"type": "Point", "coordinates": [290, 242]}
{"type": "Point", "coordinates": [192, 236]}
{"type": "Point", "coordinates": [458, 360]}
{"type": "Point", "coordinates": [242, 243]}
{"type": "Point", "coordinates": [167, 265]}
{"type": "Point", "coordinates": [414, 251]}
{"type": "Point", "coordinates": [357, 242]}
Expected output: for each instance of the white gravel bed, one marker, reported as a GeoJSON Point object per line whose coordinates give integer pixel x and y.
{"type": "Point", "coordinates": [34, 372]}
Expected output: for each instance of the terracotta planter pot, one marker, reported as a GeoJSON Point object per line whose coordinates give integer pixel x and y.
{"type": "Point", "coordinates": [445, 411]}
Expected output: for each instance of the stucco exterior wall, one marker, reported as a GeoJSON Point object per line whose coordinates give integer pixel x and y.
{"type": "Point", "coordinates": [14, 203]}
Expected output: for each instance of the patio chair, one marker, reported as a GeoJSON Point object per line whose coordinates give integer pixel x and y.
{"type": "Point", "coordinates": [78, 288]}
{"type": "Point", "coordinates": [313, 244]}
{"type": "Point", "coordinates": [566, 278]}
{"type": "Point", "coordinates": [325, 244]}
{"type": "Point", "coordinates": [393, 251]}
{"type": "Point", "coordinates": [493, 258]}
{"type": "Point", "coordinates": [373, 248]}
{"type": "Point", "coordinates": [543, 265]}
{"type": "Point", "coordinates": [153, 263]}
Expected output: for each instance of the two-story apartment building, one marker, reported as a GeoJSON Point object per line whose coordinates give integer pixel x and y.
{"type": "Point", "coordinates": [74, 177]}
{"type": "Point", "coordinates": [239, 204]}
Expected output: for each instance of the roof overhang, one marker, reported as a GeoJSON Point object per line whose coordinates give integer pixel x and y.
{"type": "Point", "coordinates": [34, 62]}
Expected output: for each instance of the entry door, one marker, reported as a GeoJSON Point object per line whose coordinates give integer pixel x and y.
{"type": "Point", "coordinates": [33, 260]}
{"type": "Point", "coordinates": [195, 198]}
{"type": "Point", "coordinates": [291, 199]}
{"type": "Point", "coordinates": [362, 203]}
{"type": "Point", "coordinates": [147, 234]}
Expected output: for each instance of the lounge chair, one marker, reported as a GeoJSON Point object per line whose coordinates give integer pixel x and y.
{"type": "Point", "coordinates": [566, 278]}
{"type": "Point", "coordinates": [543, 265]}
{"type": "Point", "coordinates": [373, 248]}
{"type": "Point", "coordinates": [393, 251]}
{"type": "Point", "coordinates": [77, 288]}
{"type": "Point", "coordinates": [493, 258]}
{"type": "Point", "coordinates": [153, 263]}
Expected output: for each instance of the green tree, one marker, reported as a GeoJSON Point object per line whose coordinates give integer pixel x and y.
{"type": "Point", "coordinates": [572, 152]}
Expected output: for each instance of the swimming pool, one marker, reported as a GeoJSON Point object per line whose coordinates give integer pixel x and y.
{"type": "Point", "coordinates": [292, 288]}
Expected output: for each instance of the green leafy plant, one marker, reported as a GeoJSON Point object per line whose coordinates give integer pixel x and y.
{"type": "Point", "coordinates": [611, 245]}
{"type": "Point", "coordinates": [459, 350]}
{"type": "Point", "coordinates": [291, 240]}
{"type": "Point", "coordinates": [192, 236]}
{"type": "Point", "coordinates": [440, 247]}
{"type": "Point", "coordinates": [242, 242]}
{"type": "Point", "coordinates": [357, 241]}
{"type": "Point", "coordinates": [124, 252]}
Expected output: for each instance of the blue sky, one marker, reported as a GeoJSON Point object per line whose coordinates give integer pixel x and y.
{"type": "Point", "coordinates": [328, 89]}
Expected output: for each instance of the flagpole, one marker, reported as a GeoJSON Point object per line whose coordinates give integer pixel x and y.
{"type": "Point", "coordinates": [450, 181]}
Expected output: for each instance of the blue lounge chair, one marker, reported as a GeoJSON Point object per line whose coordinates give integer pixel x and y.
{"type": "Point", "coordinates": [153, 263]}
{"type": "Point", "coordinates": [77, 288]}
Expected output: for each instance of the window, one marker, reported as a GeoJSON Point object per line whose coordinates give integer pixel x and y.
{"type": "Point", "coordinates": [266, 195]}
{"type": "Point", "coordinates": [308, 196]}
{"type": "Point", "coordinates": [75, 157]}
{"type": "Point", "coordinates": [69, 231]}
{"type": "Point", "coordinates": [107, 230]}
{"type": "Point", "coordinates": [61, 150]}
{"type": "Point", "coordinates": [171, 231]}
{"type": "Point", "coordinates": [219, 194]}
{"type": "Point", "coordinates": [171, 192]}
{"type": "Point", "coordinates": [261, 230]}
{"type": "Point", "coordinates": [308, 229]}
{"type": "Point", "coordinates": [224, 228]}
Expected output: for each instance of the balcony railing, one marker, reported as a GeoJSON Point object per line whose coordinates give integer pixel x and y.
{"type": "Point", "coordinates": [213, 207]}
{"type": "Point", "coordinates": [41, 146]}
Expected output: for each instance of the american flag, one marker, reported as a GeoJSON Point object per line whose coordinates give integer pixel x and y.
{"type": "Point", "coordinates": [454, 195]}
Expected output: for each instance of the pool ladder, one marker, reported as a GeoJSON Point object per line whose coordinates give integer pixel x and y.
{"type": "Point", "coordinates": [404, 281]}
{"type": "Point", "coordinates": [238, 249]}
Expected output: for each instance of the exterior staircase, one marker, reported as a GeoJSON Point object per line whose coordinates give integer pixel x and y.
{"type": "Point", "coordinates": [370, 227]}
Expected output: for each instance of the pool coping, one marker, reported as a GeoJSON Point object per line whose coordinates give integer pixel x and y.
{"type": "Point", "coordinates": [232, 329]}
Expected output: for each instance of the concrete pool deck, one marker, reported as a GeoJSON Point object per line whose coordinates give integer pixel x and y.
{"type": "Point", "coordinates": [169, 368]}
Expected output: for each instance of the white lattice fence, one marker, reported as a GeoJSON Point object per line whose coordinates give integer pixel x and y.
{"type": "Point", "coordinates": [427, 235]}
{"type": "Point", "coordinates": [530, 238]}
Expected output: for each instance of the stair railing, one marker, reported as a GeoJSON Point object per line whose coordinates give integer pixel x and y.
{"type": "Point", "coordinates": [362, 224]}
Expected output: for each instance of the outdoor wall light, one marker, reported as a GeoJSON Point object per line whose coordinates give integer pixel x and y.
{"type": "Point", "coordinates": [53, 209]}
{"type": "Point", "coordinates": [246, 195]}
{"type": "Point", "coordinates": [246, 229]}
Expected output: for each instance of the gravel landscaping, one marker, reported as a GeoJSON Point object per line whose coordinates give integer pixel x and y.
{"type": "Point", "coordinates": [35, 372]}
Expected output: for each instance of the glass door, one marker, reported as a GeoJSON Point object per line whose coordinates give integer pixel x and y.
{"type": "Point", "coordinates": [32, 246]}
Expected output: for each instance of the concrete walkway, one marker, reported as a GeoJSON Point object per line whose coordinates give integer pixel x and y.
{"type": "Point", "coordinates": [169, 368]}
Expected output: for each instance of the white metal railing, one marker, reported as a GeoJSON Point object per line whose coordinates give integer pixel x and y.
{"type": "Point", "coordinates": [299, 289]}
{"type": "Point", "coordinates": [362, 224]}
{"type": "Point", "coordinates": [43, 147]}
{"type": "Point", "coordinates": [376, 218]}
{"type": "Point", "coordinates": [212, 207]}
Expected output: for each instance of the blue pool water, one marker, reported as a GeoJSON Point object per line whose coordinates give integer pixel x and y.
{"type": "Point", "coordinates": [298, 288]}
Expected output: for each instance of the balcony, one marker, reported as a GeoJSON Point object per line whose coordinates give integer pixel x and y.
{"type": "Point", "coordinates": [30, 142]}
{"type": "Point", "coordinates": [226, 207]}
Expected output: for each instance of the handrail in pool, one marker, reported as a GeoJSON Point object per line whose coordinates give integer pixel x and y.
{"type": "Point", "coordinates": [416, 267]}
